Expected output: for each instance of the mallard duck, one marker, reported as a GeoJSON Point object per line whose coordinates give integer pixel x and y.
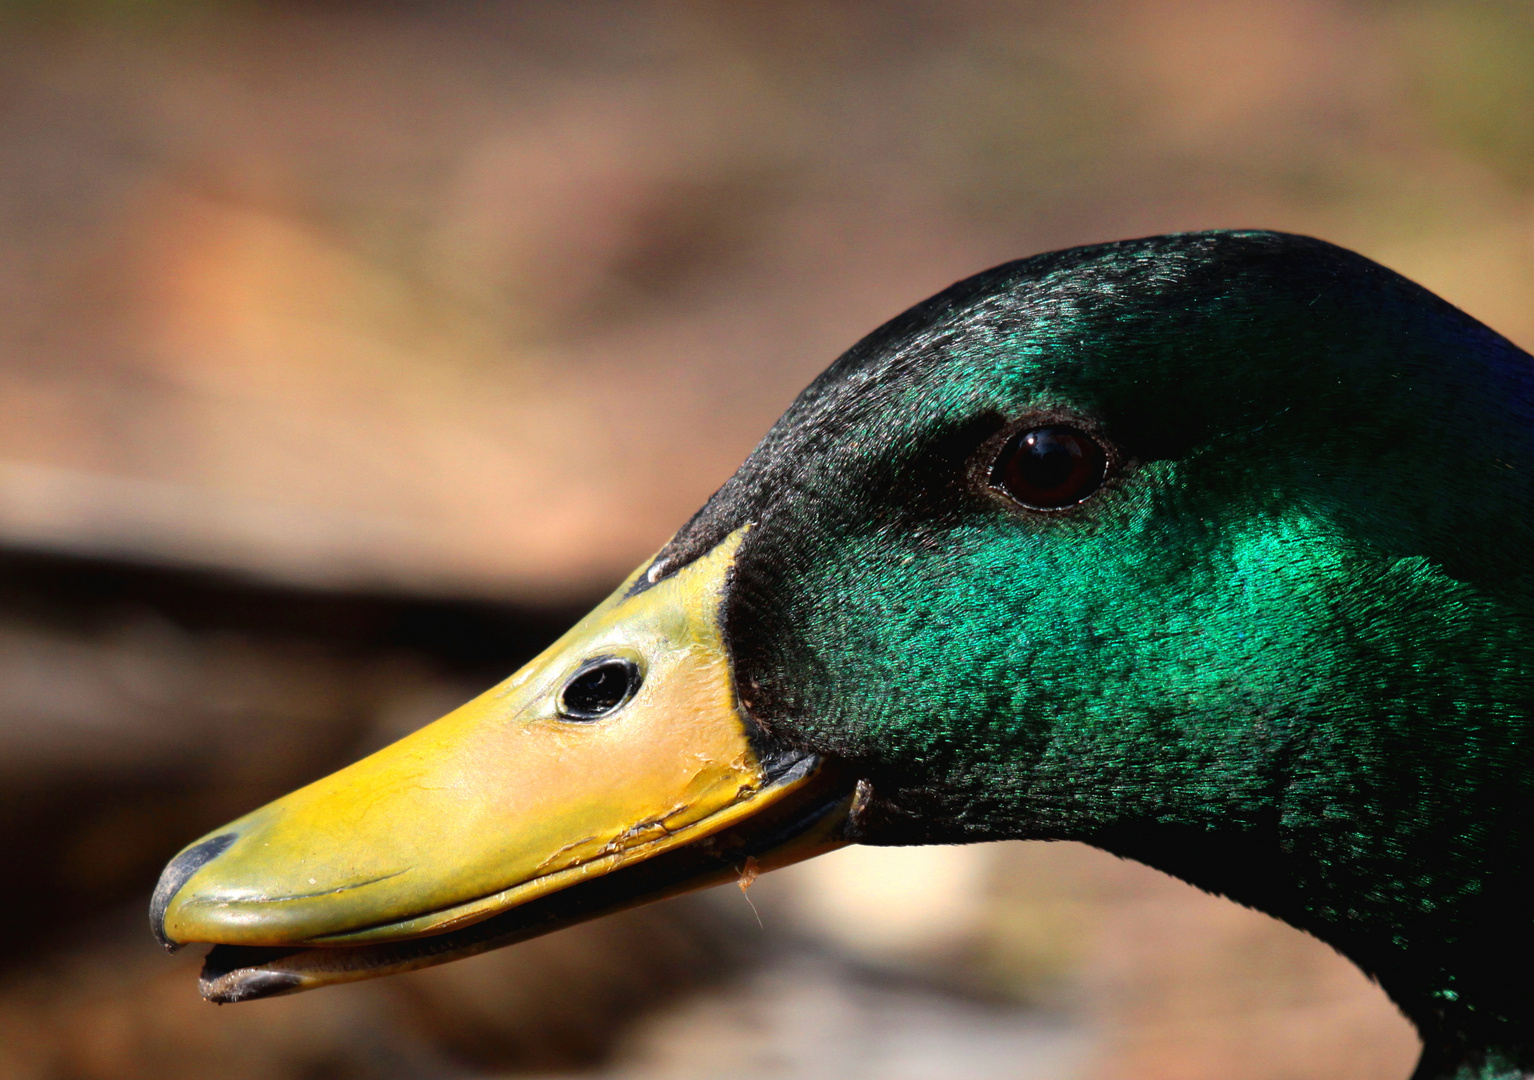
{"type": "Point", "coordinates": [1211, 550]}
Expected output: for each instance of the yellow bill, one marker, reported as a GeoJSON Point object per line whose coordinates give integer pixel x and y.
{"type": "Point", "coordinates": [614, 769]}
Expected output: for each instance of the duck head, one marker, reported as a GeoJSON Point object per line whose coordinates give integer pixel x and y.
{"type": "Point", "coordinates": [1211, 550]}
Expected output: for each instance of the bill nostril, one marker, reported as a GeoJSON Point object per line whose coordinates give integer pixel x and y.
{"type": "Point", "coordinates": [175, 875]}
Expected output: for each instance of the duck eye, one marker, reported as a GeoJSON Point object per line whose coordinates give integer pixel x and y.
{"type": "Point", "coordinates": [599, 687]}
{"type": "Point", "coordinates": [1050, 468]}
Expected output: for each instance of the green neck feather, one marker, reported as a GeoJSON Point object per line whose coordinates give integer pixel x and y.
{"type": "Point", "coordinates": [1282, 718]}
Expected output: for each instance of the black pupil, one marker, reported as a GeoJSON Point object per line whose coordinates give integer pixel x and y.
{"type": "Point", "coordinates": [1051, 467]}
{"type": "Point", "coordinates": [1049, 460]}
{"type": "Point", "coordinates": [598, 689]}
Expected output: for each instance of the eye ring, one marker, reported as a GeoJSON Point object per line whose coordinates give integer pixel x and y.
{"type": "Point", "coordinates": [598, 688]}
{"type": "Point", "coordinates": [1050, 466]}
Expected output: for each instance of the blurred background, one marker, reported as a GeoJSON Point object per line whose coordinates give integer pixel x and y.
{"type": "Point", "coordinates": [348, 351]}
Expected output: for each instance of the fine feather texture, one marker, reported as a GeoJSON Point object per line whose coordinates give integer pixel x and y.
{"type": "Point", "coordinates": [1285, 651]}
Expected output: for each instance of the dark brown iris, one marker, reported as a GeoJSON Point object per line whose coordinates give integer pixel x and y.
{"type": "Point", "coordinates": [1050, 468]}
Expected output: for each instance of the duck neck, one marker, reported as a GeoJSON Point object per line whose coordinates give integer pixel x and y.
{"type": "Point", "coordinates": [1468, 1039]}
{"type": "Point", "coordinates": [1487, 1063]}
{"type": "Point", "coordinates": [1455, 966]}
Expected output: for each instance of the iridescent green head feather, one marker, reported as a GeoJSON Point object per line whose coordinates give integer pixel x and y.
{"type": "Point", "coordinates": [1284, 652]}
